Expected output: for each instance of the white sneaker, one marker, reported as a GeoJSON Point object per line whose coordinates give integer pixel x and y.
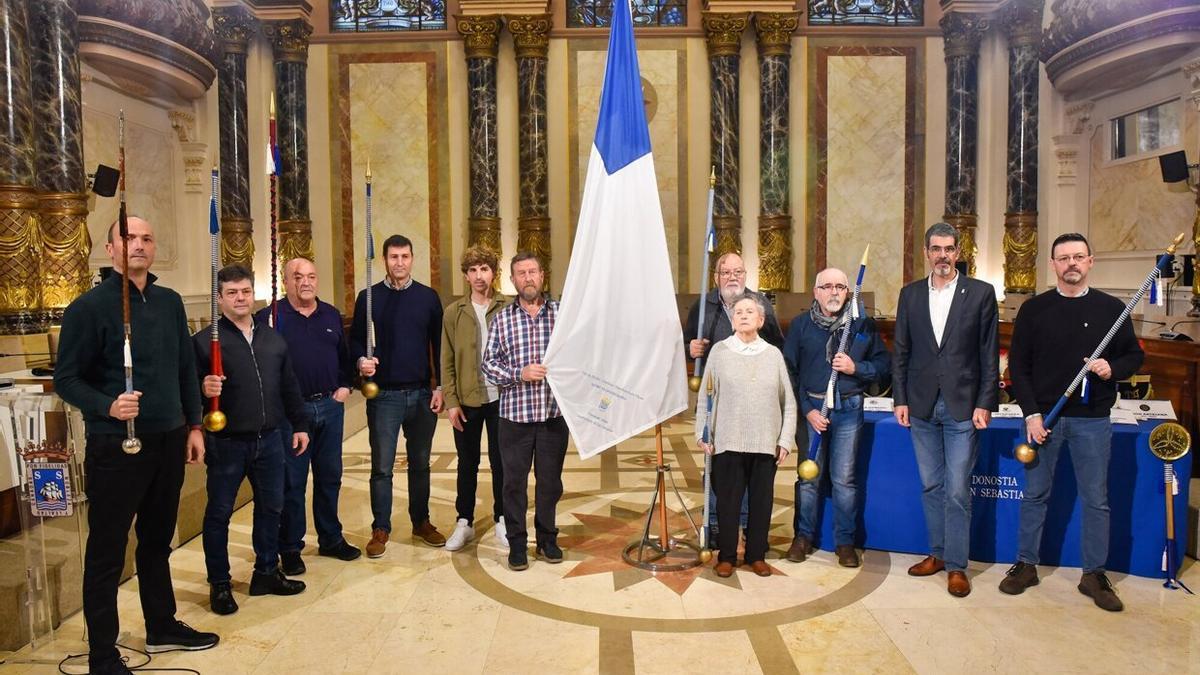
{"type": "Point", "coordinates": [501, 534]}
{"type": "Point", "coordinates": [463, 532]}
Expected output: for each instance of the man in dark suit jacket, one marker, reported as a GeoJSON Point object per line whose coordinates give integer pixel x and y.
{"type": "Point", "coordinates": [945, 376]}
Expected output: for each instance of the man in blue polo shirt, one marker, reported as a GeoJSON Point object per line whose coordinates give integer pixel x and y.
{"type": "Point", "coordinates": [408, 332]}
{"type": "Point", "coordinates": [317, 342]}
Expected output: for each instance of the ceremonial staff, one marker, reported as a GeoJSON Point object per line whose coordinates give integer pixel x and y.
{"type": "Point", "coordinates": [273, 161]}
{"type": "Point", "coordinates": [131, 445]}
{"type": "Point", "coordinates": [808, 468]}
{"type": "Point", "coordinates": [369, 388]}
{"type": "Point", "coordinates": [706, 436]}
{"type": "Point", "coordinates": [710, 240]}
{"type": "Point", "coordinates": [1170, 442]}
{"type": "Point", "coordinates": [214, 420]}
{"type": "Point", "coordinates": [1027, 452]}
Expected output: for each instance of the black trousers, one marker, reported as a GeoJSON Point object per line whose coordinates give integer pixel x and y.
{"type": "Point", "coordinates": [119, 487]}
{"type": "Point", "coordinates": [735, 474]}
{"type": "Point", "coordinates": [467, 442]}
{"type": "Point", "coordinates": [544, 446]}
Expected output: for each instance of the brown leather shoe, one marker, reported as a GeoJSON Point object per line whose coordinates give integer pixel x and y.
{"type": "Point", "coordinates": [799, 550]}
{"type": "Point", "coordinates": [429, 534]}
{"type": "Point", "coordinates": [848, 556]}
{"type": "Point", "coordinates": [761, 568]}
{"type": "Point", "coordinates": [929, 566]}
{"type": "Point", "coordinates": [724, 569]}
{"type": "Point", "coordinates": [378, 543]}
{"type": "Point", "coordinates": [958, 584]}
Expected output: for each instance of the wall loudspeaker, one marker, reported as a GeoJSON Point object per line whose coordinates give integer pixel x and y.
{"type": "Point", "coordinates": [1174, 166]}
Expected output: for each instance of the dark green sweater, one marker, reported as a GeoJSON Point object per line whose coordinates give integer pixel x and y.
{"type": "Point", "coordinates": [90, 370]}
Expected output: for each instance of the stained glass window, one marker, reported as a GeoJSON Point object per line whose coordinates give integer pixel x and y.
{"type": "Point", "coordinates": [386, 15]}
{"type": "Point", "coordinates": [866, 13]}
{"type": "Point", "coordinates": [598, 13]}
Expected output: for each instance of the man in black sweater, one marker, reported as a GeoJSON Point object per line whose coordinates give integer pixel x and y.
{"type": "Point", "coordinates": [408, 334]}
{"type": "Point", "coordinates": [258, 393]}
{"type": "Point", "coordinates": [90, 375]}
{"type": "Point", "coordinates": [1053, 336]}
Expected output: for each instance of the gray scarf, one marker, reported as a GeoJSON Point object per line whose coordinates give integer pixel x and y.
{"type": "Point", "coordinates": [828, 323]}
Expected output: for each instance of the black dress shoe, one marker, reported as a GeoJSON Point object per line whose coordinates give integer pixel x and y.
{"type": "Point", "coordinates": [550, 552]}
{"type": "Point", "coordinates": [178, 636]}
{"type": "Point", "coordinates": [291, 564]}
{"type": "Point", "coordinates": [342, 551]}
{"type": "Point", "coordinates": [274, 584]}
{"type": "Point", "coordinates": [220, 599]}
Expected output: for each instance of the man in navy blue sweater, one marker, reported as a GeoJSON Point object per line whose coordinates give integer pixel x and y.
{"type": "Point", "coordinates": [811, 352]}
{"type": "Point", "coordinates": [408, 344]}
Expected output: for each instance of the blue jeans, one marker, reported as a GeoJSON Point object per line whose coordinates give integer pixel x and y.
{"type": "Point", "coordinates": [388, 413]}
{"type": "Point", "coordinates": [229, 461]}
{"type": "Point", "coordinates": [324, 455]}
{"type": "Point", "coordinates": [837, 450]}
{"type": "Point", "coordinates": [946, 450]}
{"type": "Point", "coordinates": [1089, 441]}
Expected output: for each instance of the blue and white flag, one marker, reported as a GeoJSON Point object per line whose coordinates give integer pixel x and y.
{"type": "Point", "coordinates": [615, 360]}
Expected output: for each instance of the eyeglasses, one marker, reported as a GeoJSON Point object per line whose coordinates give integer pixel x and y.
{"type": "Point", "coordinates": [1078, 258]}
{"type": "Point", "coordinates": [731, 274]}
{"type": "Point", "coordinates": [948, 250]}
{"type": "Point", "coordinates": [840, 288]}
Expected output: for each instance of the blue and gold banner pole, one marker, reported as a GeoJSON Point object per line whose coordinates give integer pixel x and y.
{"type": "Point", "coordinates": [807, 468]}
{"type": "Point", "coordinates": [1027, 452]}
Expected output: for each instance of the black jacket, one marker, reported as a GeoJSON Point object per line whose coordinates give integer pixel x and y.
{"type": "Point", "coordinates": [965, 368]}
{"type": "Point", "coordinates": [90, 370]}
{"type": "Point", "coordinates": [717, 326]}
{"type": "Point", "coordinates": [260, 387]}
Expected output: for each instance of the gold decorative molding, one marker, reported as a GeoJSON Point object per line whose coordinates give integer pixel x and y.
{"type": "Point", "coordinates": [963, 33]}
{"type": "Point", "coordinates": [533, 234]}
{"type": "Point", "coordinates": [234, 27]}
{"type": "Point", "coordinates": [481, 35]}
{"type": "Point", "coordinates": [775, 253]}
{"type": "Point", "coordinates": [237, 241]}
{"type": "Point", "coordinates": [965, 224]}
{"type": "Point", "coordinates": [20, 250]}
{"type": "Point", "coordinates": [723, 32]}
{"type": "Point", "coordinates": [1020, 252]}
{"type": "Point", "coordinates": [1023, 22]}
{"type": "Point", "coordinates": [484, 231]}
{"type": "Point", "coordinates": [295, 240]}
{"type": "Point", "coordinates": [289, 39]}
{"type": "Point", "coordinates": [531, 34]}
{"type": "Point", "coordinates": [774, 32]}
{"type": "Point", "coordinates": [728, 231]}
{"type": "Point", "coordinates": [66, 246]}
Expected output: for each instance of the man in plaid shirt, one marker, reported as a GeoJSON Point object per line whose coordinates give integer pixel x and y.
{"type": "Point", "coordinates": [531, 425]}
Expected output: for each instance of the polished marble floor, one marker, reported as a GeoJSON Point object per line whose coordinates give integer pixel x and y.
{"type": "Point", "coordinates": [423, 610]}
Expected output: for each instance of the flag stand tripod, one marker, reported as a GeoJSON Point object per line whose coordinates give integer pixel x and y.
{"type": "Point", "coordinates": [662, 552]}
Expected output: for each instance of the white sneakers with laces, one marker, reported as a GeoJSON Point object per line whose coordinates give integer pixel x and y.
{"type": "Point", "coordinates": [463, 533]}
{"type": "Point", "coordinates": [501, 534]}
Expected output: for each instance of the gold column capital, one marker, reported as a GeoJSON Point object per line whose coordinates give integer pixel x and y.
{"type": "Point", "coordinates": [1020, 252]}
{"type": "Point", "coordinates": [289, 39]}
{"type": "Point", "coordinates": [963, 33]}
{"type": "Point", "coordinates": [723, 32]}
{"type": "Point", "coordinates": [481, 34]}
{"type": "Point", "coordinates": [234, 26]}
{"type": "Point", "coordinates": [295, 240]}
{"type": "Point", "coordinates": [1022, 21]}
{"type": "Point", "coordinates": [774, 31]}
{"type": "Point", "coordinates": [531, 34]}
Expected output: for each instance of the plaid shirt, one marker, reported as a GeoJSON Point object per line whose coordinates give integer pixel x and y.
{"type": "Point", "coordinates": [515, 341]}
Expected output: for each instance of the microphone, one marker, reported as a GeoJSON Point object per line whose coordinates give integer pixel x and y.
{"type": "Point", "coordinates": [37, 371]}
{"type": "Point", "coordinates": [1178, 337]}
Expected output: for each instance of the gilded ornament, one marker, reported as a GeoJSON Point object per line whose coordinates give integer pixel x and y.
{"type": "Point", "coordinates": [774, 31]}
{"type": "Point", "coordinates": [484, 231]}
{"type": "Point", "coordinates": [963, 33]}
{"type": "Point", "coordinates": [968, 250]}
{"type": "Point", "coordinates": [1170, 441]}
{"type": "Point", "coordinates": [295, 239]}
{"type": "Point", "coordinates": [289, 39]}
{"type": "Point", "coordinates": [723, 32]}
{"type": "Point", "coordinates": [775, 253]}
{"type": "Point", "coordinates": [531, 34]}
{"type": "Point", "coordinates": [234, 26]}
{"type": "Point", "coordinates": [1020, 252]}
{"type": "Point", "coordinates": [481, 35]}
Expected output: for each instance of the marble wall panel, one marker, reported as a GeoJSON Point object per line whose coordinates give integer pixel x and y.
{"type": "Point", "coordinates": [664, 81]}
{"type": "Point", "coordinates": [150, 182]}
{"type": "Point", "coordinates": [1130, 208]}
{"type": "Point", "coordinates": [866, 183]}
{"type": "Point", "coordinates": [387, 112]}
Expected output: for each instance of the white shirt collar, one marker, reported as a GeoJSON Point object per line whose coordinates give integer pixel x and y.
{"type": "Point", "coordinates": [1079, 295]}
{"type": "Point", "coordinates": [950, 286]}
{"type": "Point", "coordinates": [735, 344]}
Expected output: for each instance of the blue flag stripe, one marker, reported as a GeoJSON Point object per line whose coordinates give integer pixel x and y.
{"type": "Point", "coordinates": [621, 132]}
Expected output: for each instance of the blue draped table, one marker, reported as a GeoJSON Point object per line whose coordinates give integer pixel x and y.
{"type": "Point", "coordinates": [892, 518]}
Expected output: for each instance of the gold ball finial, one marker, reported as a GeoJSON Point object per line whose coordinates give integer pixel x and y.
{"type": "Point", "coordinates": [131, 446]}
{"type": "Point", "coordinates": [705, 555]}
{"type": "Point", "coordinates": [808, 470]}
{"type": "Point", "coordinates": [1025, 453]}
{"type": "Point", "coordinates": [694, 383]}
{"type": "Point", "coordinates": [215, 421]}
{"type": "Point", "coordinates": [370, 390]}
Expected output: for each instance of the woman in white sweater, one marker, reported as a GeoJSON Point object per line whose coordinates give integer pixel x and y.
{"type": "Point", "coordinates": [751, 431]}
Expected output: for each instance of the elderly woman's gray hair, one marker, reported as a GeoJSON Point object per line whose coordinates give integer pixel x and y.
{"type": "Point", "coordinates": [755, 298]}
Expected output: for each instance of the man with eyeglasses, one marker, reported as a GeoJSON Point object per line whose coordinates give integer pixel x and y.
{"type": "Point", "coordinates": [945, 379]}
{"type": "Point", "coordinates": [811, 353]}
{"type": "Point", "coordinates": [730, 279]}
{"type": "Point", "coordinates": [1053, 333]}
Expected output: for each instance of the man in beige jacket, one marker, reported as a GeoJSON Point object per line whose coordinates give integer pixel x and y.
{"type": "Point", "coordinates": [471, 402]}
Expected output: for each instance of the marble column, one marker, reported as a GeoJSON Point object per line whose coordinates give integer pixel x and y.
{"type": "Point", "coordinates": [531, 36]}
{"type": "Point", "coordinates": [480, 34]}
{"type": "Point", "coordinates": [234, 27]}
{"type": "Point", "coordinates": [1023, 23]}
{"type": "Point", "coordinates": [774, 31]}
{"type": "Point", "coordinates": [20, 296]}
{"type": "Point", "coordinates": [61, 180]}
{"type": "Point", "coordinates": [962, 33]}
{"type": "Point", "coordinates": [290, 42]}
{"type": "Point", "coordinates": [723, 35]}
